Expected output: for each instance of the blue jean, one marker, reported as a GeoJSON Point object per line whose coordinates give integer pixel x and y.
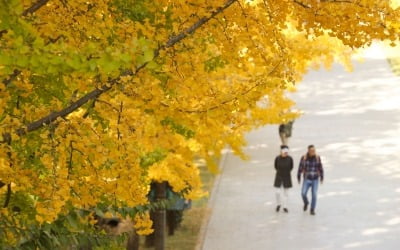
{"type": "Point", "coordinates": [314, 188]}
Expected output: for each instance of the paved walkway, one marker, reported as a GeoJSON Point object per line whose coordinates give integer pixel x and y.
{"type": "Point", "coordinates": [354, 120]}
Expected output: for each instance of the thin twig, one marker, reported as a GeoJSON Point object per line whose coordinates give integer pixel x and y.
{"type": "Point", "coordinates": [8, 196]}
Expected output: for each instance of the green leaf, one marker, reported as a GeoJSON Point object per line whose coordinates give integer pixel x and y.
{"type": "Point", "coordinates": [148, 55]}
{"type": "Point", "coordinates": [72, 220]}
{"type": "Point", "coordinates": [99, 212]}
{"type": "Point", "coordinates": [178, 128]}
{"type": "Point", "coordinates": [153, 157]}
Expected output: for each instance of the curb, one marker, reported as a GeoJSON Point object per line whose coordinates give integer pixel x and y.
{"type": "Point", "coordinates": [210, 203]}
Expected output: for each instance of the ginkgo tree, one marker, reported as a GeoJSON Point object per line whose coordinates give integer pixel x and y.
{"type": "Point", "coordinates": [100, 98]}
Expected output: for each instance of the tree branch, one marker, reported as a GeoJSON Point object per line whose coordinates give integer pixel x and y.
{"type": "Point", "coordinates": [36, 6]}
{"type": "Point", "coordinates": [70, 158]}
{"type": "Point", "coordinates": [8, 196]}
{"type": "Point", "coordinates": [338, 1]}
{"type": "Point", "coordinates": [64, 112]}
{"type": "Point", "coordinates": [302, 4]}
{"type": "Point", "coordinates": [2, 32]}
{"type": "Point", "coordinates": [173, 40]}
{"type": "Point", "coordinates": [11, 77]}
{"type": "Point", "coordinates": [94, 94]}
{"type": "Point", "coordinates": [306, 6]}
{"type": "Point", "coordinates": [216, 106]}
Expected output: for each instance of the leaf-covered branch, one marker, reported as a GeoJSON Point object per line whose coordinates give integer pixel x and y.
{"type": "Point", "coordinates": [34, 7]}
{"type": "Point", "coordinates": [94, 94]}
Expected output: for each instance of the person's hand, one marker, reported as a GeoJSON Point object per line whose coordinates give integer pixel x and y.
{"type": "Point", "coordinates": [298, 180]}
{"type": "Point", "coordinates": [322, 181]}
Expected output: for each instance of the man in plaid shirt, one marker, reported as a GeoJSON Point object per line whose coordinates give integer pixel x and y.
{"type": "Point", "coordinates": [311, 169]}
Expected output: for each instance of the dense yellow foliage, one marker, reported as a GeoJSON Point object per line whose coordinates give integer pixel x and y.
{"type": "Point", "coordinates": [181, 79]}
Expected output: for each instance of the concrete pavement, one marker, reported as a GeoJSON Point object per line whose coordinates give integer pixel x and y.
{"type": "Point", "coordinates": [354, 120]}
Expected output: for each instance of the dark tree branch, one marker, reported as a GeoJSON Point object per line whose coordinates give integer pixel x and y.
{"type": "Point", "coordinates": [54, 40]}
{"type": "Point", "coordinates": [173, 40]}
{"type": "Point", "coordinates": [64, 112]}
{"type": "Point", "coordinates": [7, 139]}
{"type": "Point", "coordinates": [2, 32]}
{"type": "Point", "coordinates": [338, 1]}
{"type": "Point", "coordinates": [94, 94]}
{"type": "Point", "coordinates": [119, 120]}
{"type": "Point", "coordinates": [11, 77]}
{"type": "Point", "coordinates": [36, 6]}
{"type": "Point", "coordinates": [306, 6]}
{"type": "Point", "coordinates": [108, 104]}
{"type": "Point", "coordinates": [8, 196]}
{"type": "Point", "coordinates": [70, 158]}
{"type": "Point", "coordinates": [302, 4]}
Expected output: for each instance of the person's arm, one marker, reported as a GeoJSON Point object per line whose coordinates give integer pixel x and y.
{"type": "Point", "coordinates": [321, 170]}
{"type": "Point", "coordinates": [276, 163]}
{"type": "Point", "coordinates": [301, 168]}
{"type": "Point", "coordinates": [291, 164]}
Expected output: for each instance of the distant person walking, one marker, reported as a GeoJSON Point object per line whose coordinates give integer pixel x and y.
{"type": "Point", "coordinates": [283, 178]}
{"type": "Point", "coordinates": [285, 132]}
{"type": "Point", "coordinates": [311, 169]}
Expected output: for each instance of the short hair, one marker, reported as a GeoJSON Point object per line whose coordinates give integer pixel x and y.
{"type": "Point", "coordinates": [284, 146]}
{"type": "Point", "coordinates": [311, 146]}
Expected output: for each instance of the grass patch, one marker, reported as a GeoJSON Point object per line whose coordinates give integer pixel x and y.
{"type": "Point", "coordinates": [187, 235]}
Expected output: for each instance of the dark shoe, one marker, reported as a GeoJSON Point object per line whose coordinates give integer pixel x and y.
{"type": "Point", "coordinates": [312, 212]}
{"type": "Point", "coordinates": [278, 208]}
{"type": "Point", "coordinates": [285, 210]}
{"type": "Point", "coordinates": [305, 207]}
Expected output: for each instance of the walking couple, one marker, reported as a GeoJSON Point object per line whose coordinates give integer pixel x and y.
{"type": "Point", "coordinates": [310, 168]}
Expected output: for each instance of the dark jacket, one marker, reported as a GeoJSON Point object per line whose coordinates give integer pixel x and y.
{"type": "Point", "coordinates": [283, 166]}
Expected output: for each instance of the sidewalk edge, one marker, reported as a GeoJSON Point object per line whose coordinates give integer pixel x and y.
{"type": "Point", "coordinates": [210, 203]}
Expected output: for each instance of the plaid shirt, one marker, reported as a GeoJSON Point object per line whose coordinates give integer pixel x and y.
{"type": "Point", "coordinates": [311, 168]}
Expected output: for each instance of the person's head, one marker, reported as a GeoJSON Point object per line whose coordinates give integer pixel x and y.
{"type": "Point", "coordinates": [284, 150]}
{"type": "Point", "coordinates": [311, 150]}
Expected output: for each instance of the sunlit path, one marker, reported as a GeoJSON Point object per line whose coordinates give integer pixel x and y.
{"type": "Point", "coordinates": [354, 120]}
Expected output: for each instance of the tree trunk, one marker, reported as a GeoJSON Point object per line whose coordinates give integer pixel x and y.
{"type": "Point", "coordinates": [133, 241]}
{"type": "Point", "coordinates": [159, 218]}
